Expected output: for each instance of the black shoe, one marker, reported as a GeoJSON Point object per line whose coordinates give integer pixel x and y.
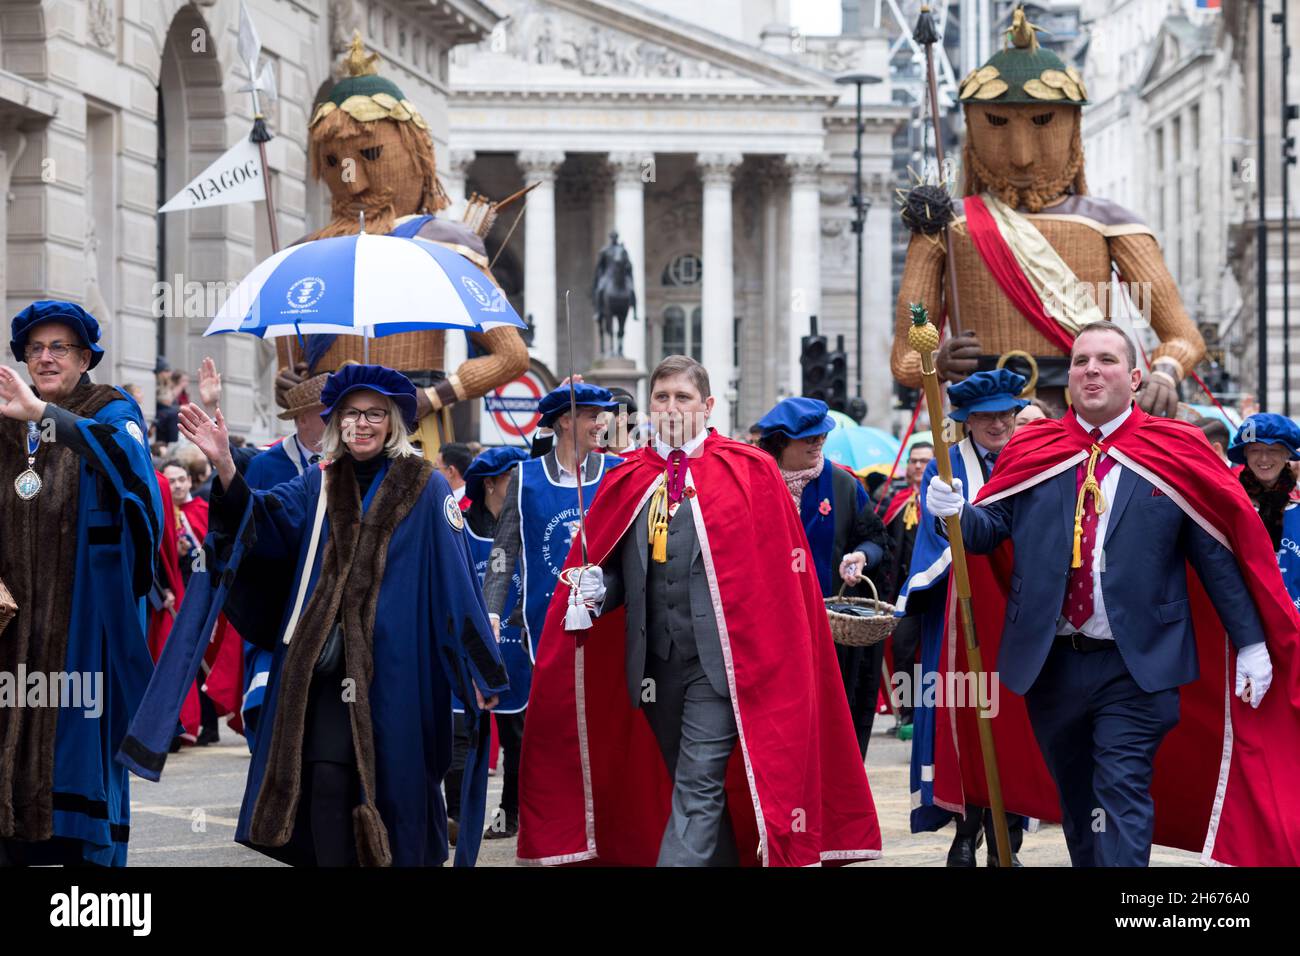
{"type": "Point", "coordinates": [993, 858]}
{"type": "Point", "coordinates": [503, 826]}
{"type": "Point", "coordinates": [208, 735]}
{"type": "Point", "coordinates": [962, 851]}
{"type": "Point", "coordinates": [176, 744]}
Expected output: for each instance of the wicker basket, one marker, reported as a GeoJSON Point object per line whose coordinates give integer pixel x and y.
{"type": "Point", "coordinates": [861, 631]}
{"type": "Point", "coordinates": [8, 608]}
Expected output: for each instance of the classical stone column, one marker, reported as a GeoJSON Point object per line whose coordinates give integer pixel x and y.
{"type": "Point", "coordinates": [452, 171]}
{"type": "Point", "coordinates": [629, 223]}
{"type": "Point", "coordinates": [716, 170]}
{"type": "Point", "coordinates": [805, 253]}
{"type": "Point", "coordinates": [877, 304]}
{"type": "Point", "coordinates": [539, 166]}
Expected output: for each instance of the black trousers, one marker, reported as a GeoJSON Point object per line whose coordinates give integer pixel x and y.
{"type": "Point", "coordinates": [330, 792]}
{"type": "Point", "coordinates": [907, 640]}
{"type": "Point", "coordinates": [510, 730]}
{"type": "Point", "coordinates": [456, 773]}
{"type": "Point", "coordinates": [977, 817]}
{"type": "Point", "coordinates": [860, 670]}
{"type": "Point", "coordinates": [331, 784]}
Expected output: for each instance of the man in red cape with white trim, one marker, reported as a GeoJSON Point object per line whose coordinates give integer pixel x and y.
{"type": "Point", "coordinates": [711, 630]}
{"type": "Point", "coordinates": [1095, 657]}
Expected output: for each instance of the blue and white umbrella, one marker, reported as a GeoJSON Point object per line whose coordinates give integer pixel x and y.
{"type": "Point", "coordinates": [364, 285]}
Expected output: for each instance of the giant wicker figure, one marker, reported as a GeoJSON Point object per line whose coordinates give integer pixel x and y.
{"type": "Point", "coordinates": [373, 149]}
{"type": "Point", "coordinates": [1032, 251]}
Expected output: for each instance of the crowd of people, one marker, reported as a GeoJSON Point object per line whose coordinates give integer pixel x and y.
{"type": "Point", "coordinates": [638, 609]}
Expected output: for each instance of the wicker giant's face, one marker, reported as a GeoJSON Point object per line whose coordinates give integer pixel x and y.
{"type": "Point", "coordinates": [1024, 153]}
{"type": "Point", "coordinates": [371, 171]}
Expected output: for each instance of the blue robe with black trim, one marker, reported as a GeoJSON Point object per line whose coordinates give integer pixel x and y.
{"type": "Point", "coordinates": [428, 598]}
{"type": "Point", "coordinates": [265, 471]}
{"type": "Point", "coordinates": [114, 534]}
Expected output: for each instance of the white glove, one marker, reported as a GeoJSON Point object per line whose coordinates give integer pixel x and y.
{"type": "Point", "coordinates": [1254, 668]}
{"type": "Point", "coordinates": [591, 584]}
{"type": "Point", "coordinates": [942, 500]}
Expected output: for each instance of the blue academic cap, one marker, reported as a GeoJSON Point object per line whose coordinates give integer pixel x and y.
{"type": "Point", "coordinates": [995, 391]}
{"type": "Point", "coordinates": [490, 463]}
{"type": "Point", "coordinates": [53, 310]}
{"type": "Point", "coordinates": [556, 402]}
{"type": "Point", "coordinates": [371, 378]}
{"type": "Point", "coordinates": [798, 418]}
{"type": "Point", "coordinates": [1266, 428]}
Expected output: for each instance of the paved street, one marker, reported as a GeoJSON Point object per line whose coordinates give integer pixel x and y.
{"type": "Point", "coordinates": [189, 818]}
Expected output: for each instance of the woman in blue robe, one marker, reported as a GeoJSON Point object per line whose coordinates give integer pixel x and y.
{"type": "Point", "coordinates": [1267, 444]}
{"type": "Point", "coordinates": [383, 623]}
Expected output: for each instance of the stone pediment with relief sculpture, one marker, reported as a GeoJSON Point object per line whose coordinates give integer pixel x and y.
{"type": "Point", "coordinates": [542, 43]}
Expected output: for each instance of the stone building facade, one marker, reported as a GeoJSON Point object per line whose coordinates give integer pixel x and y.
{"type": "Point", "coordinates": [109, 107]}
{"type": "Point", "coordinates": [711, 136]}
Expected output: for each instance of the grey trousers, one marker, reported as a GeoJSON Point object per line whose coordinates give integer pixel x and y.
{"type": "Point", "coordinates": [696, 731]}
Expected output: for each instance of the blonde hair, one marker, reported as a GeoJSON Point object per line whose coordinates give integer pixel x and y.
{"type": "Point", "coordinates": [397, 445]}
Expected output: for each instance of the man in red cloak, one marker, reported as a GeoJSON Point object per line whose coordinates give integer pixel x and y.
{"type": "Point", "coordinates": [701, 719]}
{"type": "Point", "coordinates": [1126, 712]}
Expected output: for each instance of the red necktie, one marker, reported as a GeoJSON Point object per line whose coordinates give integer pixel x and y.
{"type": "Point", "coordinates": [1079, 605]}
{"type": "Point", "coordinates": [676, 474]}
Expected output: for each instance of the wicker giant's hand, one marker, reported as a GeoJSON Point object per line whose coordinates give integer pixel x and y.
{"type": "Point", "coordinates": [958, 357]}
{"type": "Point", "coordinates": [1158, 394]}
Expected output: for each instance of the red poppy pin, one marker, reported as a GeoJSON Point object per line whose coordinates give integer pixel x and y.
{"type": "Point", "coordinates": [689, 492]}
{"type": "Point", "coordinates": [825, 506]}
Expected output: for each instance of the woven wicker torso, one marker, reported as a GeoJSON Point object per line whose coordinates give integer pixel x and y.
{"type": "Point", "coordinates": [407, 352]}
{"type": "Point", "coordinates": [990, 313]}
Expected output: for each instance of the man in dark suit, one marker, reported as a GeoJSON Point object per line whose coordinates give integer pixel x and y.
{"type": "Point", "coordinates": [673, 644]}
{"type": "Point", "coordinates": [1098, 645]}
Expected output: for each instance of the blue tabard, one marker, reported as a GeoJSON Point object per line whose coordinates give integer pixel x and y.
{"type": "Point", "coordinates": [1288, 556]}
{"type": "Point", "coordinates": [548, 515]}
{"type": "Point", "coordinates": [513, 652]}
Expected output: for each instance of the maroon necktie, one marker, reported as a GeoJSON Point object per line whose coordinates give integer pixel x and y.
{"type": "Point", "coordinates": [676, 475]}
{"type": "Point", "coordinates": [1078, 606]}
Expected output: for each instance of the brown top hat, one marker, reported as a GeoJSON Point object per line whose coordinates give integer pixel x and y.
{"type": "Point", "coordinates": [304, 397]}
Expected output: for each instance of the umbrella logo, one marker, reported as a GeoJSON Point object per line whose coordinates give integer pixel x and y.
{"type": "Point", "coordinates": [489, 303]}
{"type": "Point", "coordinates": [305, 293]}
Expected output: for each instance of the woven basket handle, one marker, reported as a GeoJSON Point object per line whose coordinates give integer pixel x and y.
{"type": "Point", "coordinates": [874, 593]}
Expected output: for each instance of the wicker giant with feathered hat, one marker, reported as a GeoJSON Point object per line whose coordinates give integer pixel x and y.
{"type": "Point", "coordinates": [1028, 254]}
{"type": "Point", "coordinates": [373, 149]}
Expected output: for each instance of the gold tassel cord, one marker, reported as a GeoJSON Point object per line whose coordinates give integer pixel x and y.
{"type": "Point", "coordinates": [1090, 484]}
{"type": "Point", "coordinates": [911, 514]}
{"type": "Point", "coordinates": [657, 519]}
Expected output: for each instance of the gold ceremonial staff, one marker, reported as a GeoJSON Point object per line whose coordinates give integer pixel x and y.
{"type": "Point", "coordinates": [923, 337]}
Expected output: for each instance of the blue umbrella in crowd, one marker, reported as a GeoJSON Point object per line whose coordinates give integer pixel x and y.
{"type": "Point", "coordinates": [364, 285]}
{"type": "Point", "coordinates": [859, 446]}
